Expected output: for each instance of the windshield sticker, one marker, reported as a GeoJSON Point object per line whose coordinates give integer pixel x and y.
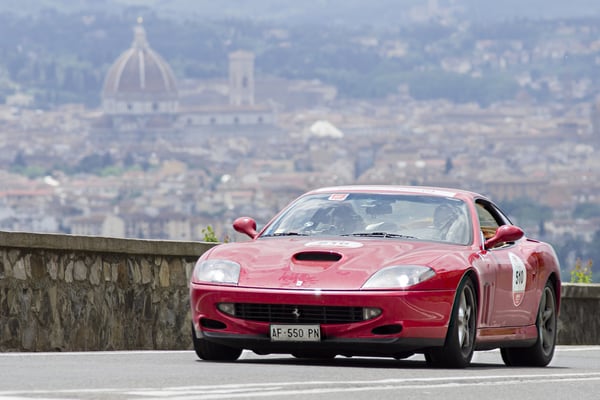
{"type": "Point", "coordinates": [338, 196]}
{"type": "Point", "coordinates": [519, 279]}
{"type": "Point", "coordinates": [335, 243]}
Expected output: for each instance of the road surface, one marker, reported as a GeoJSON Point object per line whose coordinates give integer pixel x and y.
{"type": "Point", "coordinates": [573, 374]}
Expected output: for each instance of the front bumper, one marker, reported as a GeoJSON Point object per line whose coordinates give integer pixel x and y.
{"type": "Point", "coordinates": [410, 321]}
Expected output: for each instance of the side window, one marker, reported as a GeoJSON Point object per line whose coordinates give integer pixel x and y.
{"type": "Point", "coordinates": [488, 222]}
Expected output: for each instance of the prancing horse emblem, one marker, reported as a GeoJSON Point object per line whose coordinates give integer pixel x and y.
{"type": "Point", "coordinates": [296, 313]}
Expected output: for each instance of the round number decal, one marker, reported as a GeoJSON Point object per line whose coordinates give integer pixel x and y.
{"type": "Point", "coordinates": [519, 280]}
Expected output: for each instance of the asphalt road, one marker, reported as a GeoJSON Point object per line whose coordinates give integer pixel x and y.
{"type": "Point", "coordinates": [573, 374]}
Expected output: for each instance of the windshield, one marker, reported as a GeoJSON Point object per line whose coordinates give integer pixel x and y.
{"type": "Point", "coordinates": [421, 217]}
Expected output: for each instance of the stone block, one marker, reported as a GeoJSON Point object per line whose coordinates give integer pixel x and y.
{"type": "Point", "coordinates": [164, 274]}
{"type": "Point", "coordinates": [80, 271]}
{"type": "Point", "coordinates": [69, 272]}
{"type": "Point", "coordinates": [19, 270]}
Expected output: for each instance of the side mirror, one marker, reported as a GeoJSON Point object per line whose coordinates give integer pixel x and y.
{"type": "Point", "coordinates": [505, 233]}
{"type": "Point", "coordinates": [246, 225]}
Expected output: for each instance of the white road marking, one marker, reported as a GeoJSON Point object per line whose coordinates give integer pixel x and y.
{"type": "Point", "coordinates": [93, 353]}
{"type": "Point", "coordinates": [245, 353]}
{"type": "Point", "coordinates": [272, 389]}
{"type": "Point", "coordinates": [566, 349]}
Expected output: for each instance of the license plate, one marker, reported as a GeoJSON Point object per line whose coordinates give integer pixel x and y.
{"type": "Point", "coordinates": [295, 333]}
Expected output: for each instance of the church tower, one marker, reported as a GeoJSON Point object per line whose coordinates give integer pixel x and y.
{"type": "Point", "coordinates": [241, 78]}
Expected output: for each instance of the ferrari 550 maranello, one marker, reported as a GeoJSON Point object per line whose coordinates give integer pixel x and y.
{"type": "Point", "coordinates": [383, 271]}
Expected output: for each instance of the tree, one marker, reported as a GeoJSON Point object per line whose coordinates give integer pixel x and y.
{"type": "Point", "coordinates": [95, 163]}
{"type": "Point", "coordinates": [19, 161]}
{"type": "Point", "coordinates": [586, 210]}
{"type": "Point", "coordinates": [448, 166]}
{"type": "Point", "coordinates": [526, 211]}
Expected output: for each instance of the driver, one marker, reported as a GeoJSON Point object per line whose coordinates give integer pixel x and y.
{"type": "Point", "coordinates": [341, 219]}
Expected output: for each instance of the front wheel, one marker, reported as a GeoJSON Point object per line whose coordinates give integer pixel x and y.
{"type": "Point", "coordinates": [460, 340]}
{"type": "Point", "coordinates": [541, 353]}
{"type": "Point", "coordinates": [208, 351]}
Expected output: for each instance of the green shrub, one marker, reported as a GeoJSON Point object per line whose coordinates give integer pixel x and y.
{"type": "Point", "coordinates": [209, 234]}
{"type": "Point", "coordinates": [582, 273]}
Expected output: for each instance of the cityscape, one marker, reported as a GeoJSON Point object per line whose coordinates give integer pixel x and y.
{"type": "Point", "coordinates": [166, 156]}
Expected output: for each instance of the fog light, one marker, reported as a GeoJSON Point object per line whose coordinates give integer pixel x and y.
{"type": "Point", "coordinates": [371, 312]}
{"type": "Point", "coordinates": [227, 308]}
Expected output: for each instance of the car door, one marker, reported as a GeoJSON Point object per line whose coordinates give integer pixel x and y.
{"type": "Point", "coordinates": [512, 298]}
{"type": "Point", "coordinates": [515, 299]}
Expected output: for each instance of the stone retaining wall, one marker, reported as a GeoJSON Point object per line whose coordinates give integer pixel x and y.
{"type": "Point", "coordinates": [579, 322]}
{"type": "Point", "coordinates": [73, 293]}
{"type": "Point", "coordinates": [76, 293]}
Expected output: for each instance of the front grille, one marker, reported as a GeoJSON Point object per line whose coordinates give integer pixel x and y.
{"type": "Point", "coordinates": [287, 313]}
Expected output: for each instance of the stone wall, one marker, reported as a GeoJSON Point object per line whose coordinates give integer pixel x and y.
{"type": "Point", "coordinates": [74, 293]}
{"type": "Point", "coordinates": [77, 293]}
{"type": "Point", "coordinates": [579, 322]}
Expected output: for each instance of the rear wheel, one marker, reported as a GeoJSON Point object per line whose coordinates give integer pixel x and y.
{"type": "Point", "coordinates": [213, 351]}
{"type": "Point", "coordinates": [541, 353]}
{"type": "Point", "coordinates": [460, 340]}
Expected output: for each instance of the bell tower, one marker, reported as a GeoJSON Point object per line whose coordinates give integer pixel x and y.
{"type": "Point", "coordinates": [241, 78]}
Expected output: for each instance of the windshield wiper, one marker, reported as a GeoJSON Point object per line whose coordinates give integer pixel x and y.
{"type": "Point", "coordinates": [380, 234]}
{"type": "Point", "coordinates": [287, 234]}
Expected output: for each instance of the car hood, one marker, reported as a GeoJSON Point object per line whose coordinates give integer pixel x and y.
{"type": "Point", "coordinates": [336, 264]}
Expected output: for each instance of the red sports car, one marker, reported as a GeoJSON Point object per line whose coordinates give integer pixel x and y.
{"type": "Point", "coordinates": [380, 271]}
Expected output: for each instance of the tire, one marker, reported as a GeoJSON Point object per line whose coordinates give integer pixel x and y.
{"type": "Point", "coordinates": [460, 340]}
{"type": "Point", "coordinates": [208, 351]}
{"type": "Point", "coordinates": [541, 353]}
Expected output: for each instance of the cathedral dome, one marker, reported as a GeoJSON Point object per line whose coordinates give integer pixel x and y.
{"type": "Point", "coordinates": [140, 81]}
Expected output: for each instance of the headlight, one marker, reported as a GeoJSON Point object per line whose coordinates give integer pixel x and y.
{"type": "Point", "coordinates": [217, 271]}
{"type": "Point", "coordinates": [399, 277]}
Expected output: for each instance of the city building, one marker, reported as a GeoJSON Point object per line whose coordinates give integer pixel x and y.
{"type": "Point", "coordinates": [141, 100]}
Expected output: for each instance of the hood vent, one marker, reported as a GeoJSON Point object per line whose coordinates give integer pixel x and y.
{"type": "Point", "coordinates": [317, 256]}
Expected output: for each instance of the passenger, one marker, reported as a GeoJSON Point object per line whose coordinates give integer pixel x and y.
{"type": "Point", "coordinates": [450, 224]}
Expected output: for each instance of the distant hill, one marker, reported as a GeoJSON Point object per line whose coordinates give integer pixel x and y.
{"type": "Point", "coordinates": [532, 9]}
{"type": "Point", "coordinates": [59, 50]}
{"type": "Point", "coordinates": [354, 12]}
